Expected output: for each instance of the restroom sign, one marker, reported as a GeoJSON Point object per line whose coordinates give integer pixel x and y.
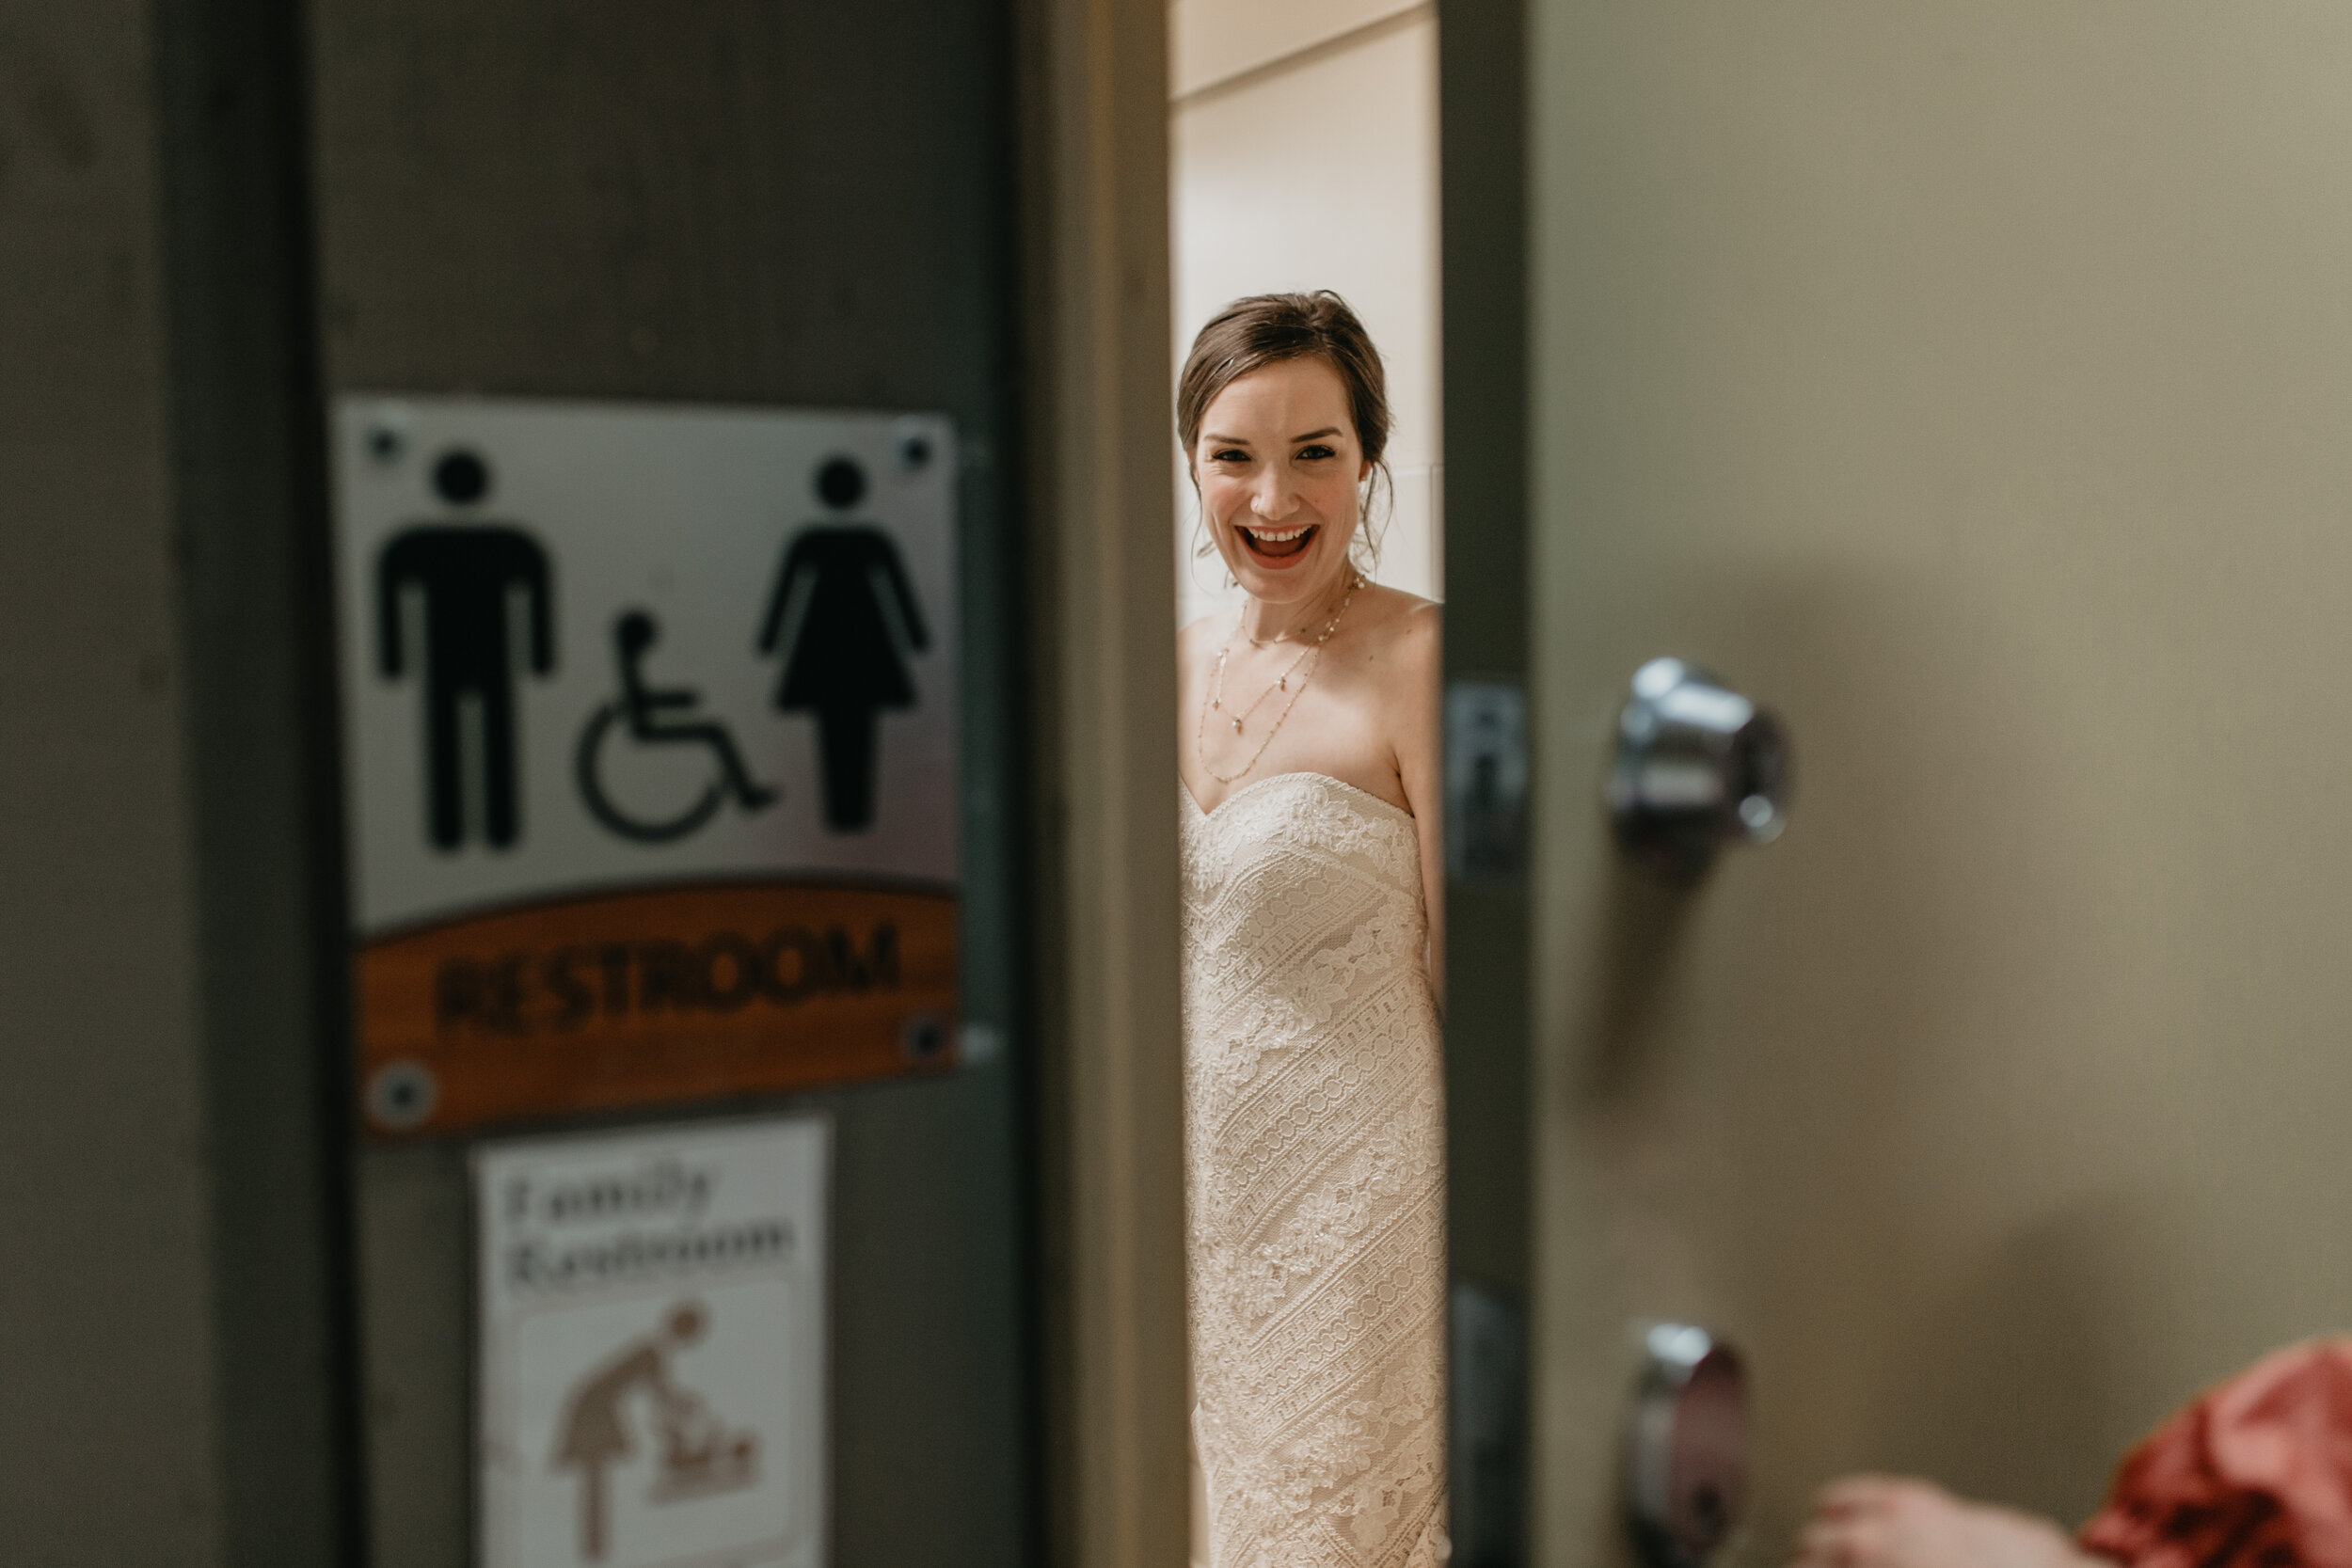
{"type": "Point", "coordinates": [652, 1355]}
{"type": "Point", "coordinates": [651, 735]}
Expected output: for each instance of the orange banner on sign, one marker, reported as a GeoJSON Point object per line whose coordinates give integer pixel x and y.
{"type": "Point", "coordinates": [644, 997]}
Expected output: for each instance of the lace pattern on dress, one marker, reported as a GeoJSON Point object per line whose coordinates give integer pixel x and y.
{"type": "Point", "coordinates": [1313, 1139]}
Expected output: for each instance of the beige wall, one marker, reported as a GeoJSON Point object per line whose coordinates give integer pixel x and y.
{"type": "Point", "coordinates": [1303, 154]}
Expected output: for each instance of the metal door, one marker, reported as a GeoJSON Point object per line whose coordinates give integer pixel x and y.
{"type": "Point", "coordinates": [1969, 382]}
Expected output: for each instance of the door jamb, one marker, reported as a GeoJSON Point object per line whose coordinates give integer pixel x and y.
{"type": "Point", "coordinates": [1092, 88]}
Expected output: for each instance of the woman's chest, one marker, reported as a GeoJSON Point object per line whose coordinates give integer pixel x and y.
{"type": "Point", "coordinates": [1242, 734]}
{"type": "Point", "coordinates": [1299, 841]}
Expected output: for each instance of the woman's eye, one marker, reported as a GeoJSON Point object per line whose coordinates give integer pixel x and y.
{"type": "Point", "coordinates": [1316, 453]}
{"type": "Point", "coordinates": [1228, 455]}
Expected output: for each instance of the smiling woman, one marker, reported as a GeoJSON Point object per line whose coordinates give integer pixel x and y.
{"type": "Point", "coordinates": [1311, 862]}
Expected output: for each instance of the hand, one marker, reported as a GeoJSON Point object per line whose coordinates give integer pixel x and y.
{"type": "Point", "coordinates": [1892, 1522]}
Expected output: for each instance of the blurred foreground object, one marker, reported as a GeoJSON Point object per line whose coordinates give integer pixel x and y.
{"type": "Point", "coordinates": [2257, 1471]}
{"type": "Point", "coordinates": [1899, 1522]}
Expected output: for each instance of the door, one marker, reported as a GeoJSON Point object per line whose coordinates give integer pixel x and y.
{"type": "Point", "coordinates": [1969, 382]}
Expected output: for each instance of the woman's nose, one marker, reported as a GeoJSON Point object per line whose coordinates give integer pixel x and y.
{"type": "Point", "coordinates": [1272, 499]}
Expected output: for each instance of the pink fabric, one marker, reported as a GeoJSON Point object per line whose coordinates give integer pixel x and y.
{"type": "Point", "coordinates": [2255, 1474]}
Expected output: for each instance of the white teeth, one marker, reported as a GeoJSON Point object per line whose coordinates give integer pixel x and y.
{"type": "Point", "coordinates": [1273, 537]}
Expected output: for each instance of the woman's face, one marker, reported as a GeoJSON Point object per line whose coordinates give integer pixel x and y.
{"type": "Point", "coordinates": [1280, 470]}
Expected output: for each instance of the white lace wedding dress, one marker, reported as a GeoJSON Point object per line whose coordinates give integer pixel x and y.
{"type": "Point", "coordinates": [1315, 1180]}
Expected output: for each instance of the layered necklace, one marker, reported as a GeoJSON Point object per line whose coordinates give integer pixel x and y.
{"type": "Point", "coordinates": [1282, 683]}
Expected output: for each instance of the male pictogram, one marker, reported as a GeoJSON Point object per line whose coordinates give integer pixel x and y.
{"type": "Point", "coordinates": [475, 579]}
{"type": "Point", "coordinates": [844, 618]}
{"type": "Point", "coordinates": [654, 714]}
{"type": "Point", "coordinates": [700, 1455]}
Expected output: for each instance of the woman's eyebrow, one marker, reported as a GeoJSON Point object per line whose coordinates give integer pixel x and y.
{"type": "Point", "coordinates": [1317, 435]}
{"type": "Point", "coordinates": [1222, 439]}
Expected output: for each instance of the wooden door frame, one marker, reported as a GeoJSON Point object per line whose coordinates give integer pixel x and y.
{"type": "Point", "coordinates": [1092, 86]}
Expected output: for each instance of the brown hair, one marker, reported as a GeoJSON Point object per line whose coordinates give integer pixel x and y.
{"type": "Point", "coordinates": [1265, 329]}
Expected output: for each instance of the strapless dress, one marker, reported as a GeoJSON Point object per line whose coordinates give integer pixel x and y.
{"type": "Point", "coordinates": [1315, 1181]}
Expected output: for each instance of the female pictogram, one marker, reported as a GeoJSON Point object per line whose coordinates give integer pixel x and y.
{"type": "Point", "coordinates": [658, 716]}
{"type": "Point", "coordinates": [845, 618]}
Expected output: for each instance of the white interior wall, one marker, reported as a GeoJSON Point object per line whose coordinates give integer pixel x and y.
{"type": "Point", "coordinates": [1303, 151]}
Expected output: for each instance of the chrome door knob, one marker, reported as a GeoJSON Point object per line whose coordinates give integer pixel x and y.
{"type": "Point", "coordinates": [1686, 1462]}
{"type": "Point", "coordinates": [1698, 766]}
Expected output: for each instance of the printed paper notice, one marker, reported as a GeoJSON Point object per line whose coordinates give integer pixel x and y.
{"type": "Point", "coordinates": [653, 1348]}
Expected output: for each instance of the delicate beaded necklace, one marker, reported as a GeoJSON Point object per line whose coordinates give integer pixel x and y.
{"type": "Point", "coordinates": [1282, 683]}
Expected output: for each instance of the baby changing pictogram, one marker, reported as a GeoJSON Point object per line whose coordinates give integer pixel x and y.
{"type": "Point", "coordinates": [697, 1454]}
{"type": "Point", "coordinates": [651, 1370]}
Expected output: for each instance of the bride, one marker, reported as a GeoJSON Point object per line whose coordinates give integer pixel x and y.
{"type": "Point", "coordinates": [1313, 871]}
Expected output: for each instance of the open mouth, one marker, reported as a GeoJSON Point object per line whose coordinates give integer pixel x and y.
{"type": "Point", "coordinates": [1275, 546]}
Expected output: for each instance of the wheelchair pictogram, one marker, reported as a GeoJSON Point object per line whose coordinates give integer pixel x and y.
{"type": "Point", "coordinates": [648, 715]}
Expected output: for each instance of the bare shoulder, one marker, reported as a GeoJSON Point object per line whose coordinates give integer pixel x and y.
{"type": "Point", "coordinates": [1404, 634]}
{"type": "Point", "coordinates": [1402, 660]}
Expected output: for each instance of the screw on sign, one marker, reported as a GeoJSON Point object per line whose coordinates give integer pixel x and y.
{"type": "Point", "coordinates": [697, 862]}
{"type": "Point", "coordinates": [700, 1454]}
